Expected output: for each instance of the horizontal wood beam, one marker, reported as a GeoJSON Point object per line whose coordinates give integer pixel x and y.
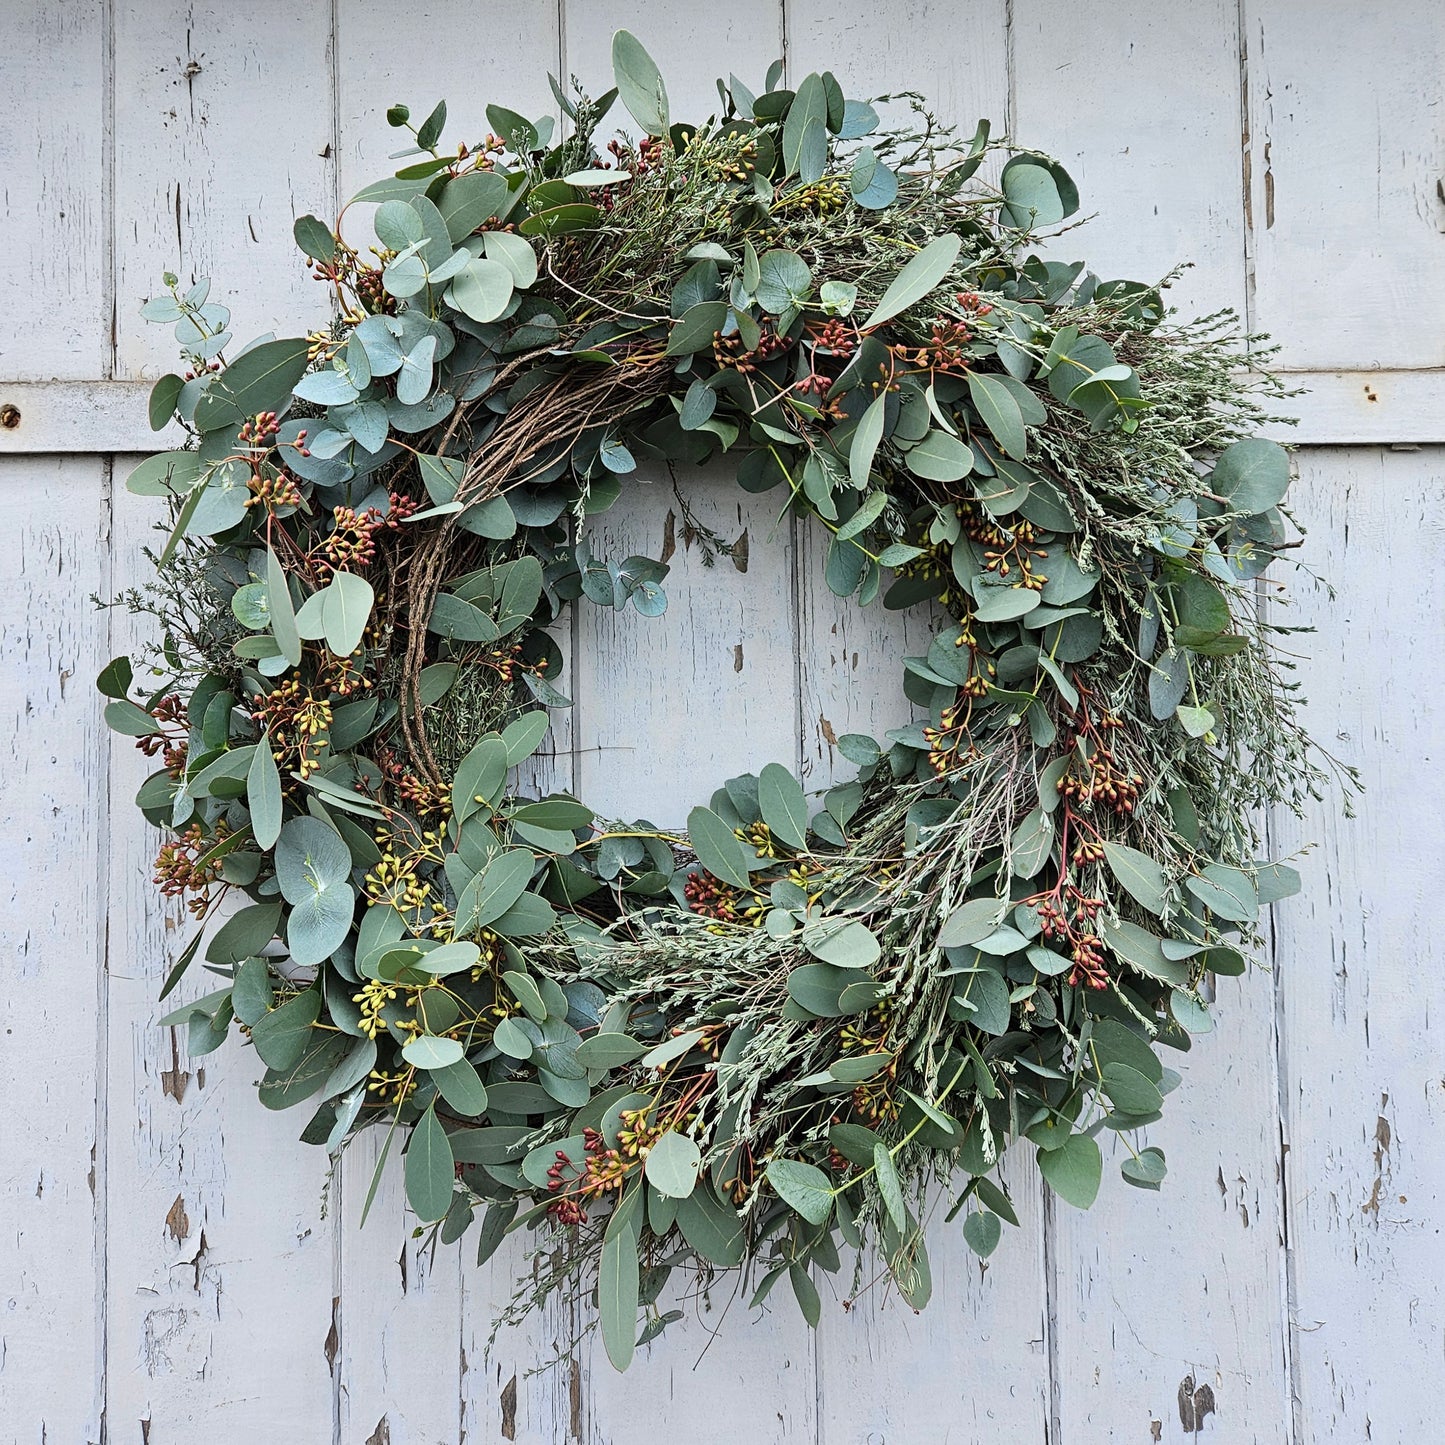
{"type": "Point", "coordinates": [1335, 408]}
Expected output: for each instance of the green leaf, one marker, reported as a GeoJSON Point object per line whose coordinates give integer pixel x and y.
{"type": "Point", "coordinates": [314, 238]}
{"type": "Point", "coordinates": [712, 1228]}
{"type": "Point", "coordinates": [1147, 1171]}
{"type": "Point", "coordinates": [1253, 474]}
{"type": "Point", "coordinates": [124, 716]}
{"type": "Point", "coordinates": [866, 437]}
{"type": "Point", "coordinates": [803, 1187]}
{"type": "Point", "coordinates": [940, 457]}
{"type": "Point", "coordinates": [430, 1168]}
{"type": "Point", "coordinates": [819, 988]}
{"type": "Point", "coordinates": [607, 1050]}
{"type": "Point", "coordinates": [512, 1039]}
{"type": "Point", "coordinates": [519, 133]}
{"type": "Point", "coordinates": [263, 794]}
{"type": "Point", "coordinates": [319, 924]}
{"type": "Point", "coordinates": [493, 891]}
{"type": "Point", "coordinates": [345, 612]}
{"type": "Point", "coordinates": [516, 254]}
{"type": "Point", "coordinates": [971, 923]}
{"type": "Point", "coordinates": [805, 132]}
{"type": "Point", "coordinates": [281, 1036]}
{"type": "Point", "coordinates": [459, 620]}
{"type": "Point", "coordinates": [244, 934]}
{"type": "Point", "coordinates": [115, 678]}
{"type": "Point", "coordinates": [251, 994]}
{"type": "Point", "coordinates": [672, 1166]}
{"type": "Point", "coordinates": [672, 1048]}
{"type": "Point", "coordinates": [1226, 891]}
{"type": "Point", "coordinates": [1004, 604]}
{"type": "Point", "coordinates": [461, 1087]}
{"type": "Point", "coordinates": [1032, 842]}
{"type": "Point", "coordinates": [1143, 951]}
{"type": "Point", "coordinates": [806, 1294]}
{"type": "Point", "coordinates": [1073, 1170]}
{"type": "Point", "coordinates": [523, 737]}
{"type": "Point", "coordinates": [428, 1051]}
{"type": "Point", "coordinates": [260, 379]}
{"type": "Point", "coordinates": [480, 777]}
{"type": "Point", "coordinates": [164, 397]}
{"type": "Point", "coordinates": [999, 408]}
{"type": "Point", "coordinates": [310, 855]}
{"type": "Point", "coordinates": [430, 130]}
{"type": "Point", "coordinates": [695, 331]}
{"type": "Point", "coordinates": [1032, 198]}
{"type": "Point", "coordinates": [889, 1186]}
{"type": "Point", "coordinates": [481, 290]}
{"type": "Point", "coordinates": [282, 614]}
{"type": "Point", "coordinates": [869, 510]}
{"type": "Point", "coordinates": [784, 808]}
{"type": "Point", "coordinates": [717, 848]}
{"type": "Point", "coordinates": [697, 406]}
{"type": "Point", "coordinates": [981, 1232]}
{"type": "Point", "coordinates": [467, 201]}
{"type": "Point", "coordinates": [1139, 876]}
{"type": "Point", "coordinates": [618, 1282]}
{"type": "Point", "coordinates": [924, 272]}
{"type": "Point", "coordinates": [639, 84]}
{"type": "Point", "coordinates": [784, 281]}
{"type": "Point", "coordinates": [1130, 1091]}
{"type": "Point", "coordinates": [491, 517]}
{"type": "Point", "coordinates": [1275, 881]}
{"type": "Point", "coordinates": [873, 184]}
{"type": "Point", "coordinates": [851, 946]}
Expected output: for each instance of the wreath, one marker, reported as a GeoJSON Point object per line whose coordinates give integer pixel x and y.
{"type": "Point", "coordinates": [808, 1021]}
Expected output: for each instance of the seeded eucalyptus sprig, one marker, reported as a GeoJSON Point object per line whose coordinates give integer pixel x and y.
{"type": "Point", "coordinates": [804, 1020]}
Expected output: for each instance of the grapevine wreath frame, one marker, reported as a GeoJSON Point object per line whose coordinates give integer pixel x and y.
{"type": "Point", "coordinates": [794, 1026]}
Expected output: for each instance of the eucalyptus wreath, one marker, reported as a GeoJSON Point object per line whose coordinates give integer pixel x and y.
{"type": "Point", "coordinates": [805, 1022]}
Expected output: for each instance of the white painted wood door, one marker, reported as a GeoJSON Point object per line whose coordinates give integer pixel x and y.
{"type": "Point", "coordinates": [166, 1275]}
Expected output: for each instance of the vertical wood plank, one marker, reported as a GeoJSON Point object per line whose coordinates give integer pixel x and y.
{"type": "Point", "coordinates": [1152, 1289]}
{"type": "Point", "coordinates": [850, 658]}
{"type": "Point", "coordinates": [223, 134]}
{"type": "Point", "coordinates": [524, 1382]}
{"type": "Point", "coordinates": [52, 643]}
{"type": "Point", "coordinates": [1141, 1299]}
{"type": "Point", "coordinates": [219, 1268]}
{"type": "Point", "coordinates": [671, 706]}
{"type": "Point", "coordinates": [1143, 108]}
{"type": "Point", "coordinates": [1346, 161]}
{"type": "Point", "coordinates": [972, 1366]}
{"type": "Point", "coordinates": [975, 1360]}
{"type": "Point", "coordinates": [452, 52]}
{"type": "Point", "coordinates": [401, 1311]}
{"type": "Point", "coordinates": [52, 157]}
{"type": "Point", "coordinates": [668, 708]}
{"type": "Point", "coordinates": [414, 1325]}
{"type": "Point", "coordinates": [1359, 959]}
{"type": "Point", "coordinates": [955, 56]}
{"type": "Point", "coordinates": [692, 45]}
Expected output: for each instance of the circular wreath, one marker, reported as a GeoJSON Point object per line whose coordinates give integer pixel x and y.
{"type": "Point", "coordinates": [807, 1020]}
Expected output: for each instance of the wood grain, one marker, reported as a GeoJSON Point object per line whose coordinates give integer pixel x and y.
{"type": "Point", "coordinates": [1346, 160]}
{"type": "Point", "coordinates": [219, 1272]}
{"type": "Point", "coordinates": [1095, 96]}
{"type": "Point", "coordinates": [52, 936]}
{"type": "Point", "coordinates": [1357, 959]}
{"type": "Point", "coordinates": [54, 200]}
{"type": "Point", "coordinates": [207, 182]}
{"type": "Point", "coordinates": [166, 1275]}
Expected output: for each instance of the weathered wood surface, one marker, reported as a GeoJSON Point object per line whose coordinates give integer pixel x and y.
{"type": "Point", "coordinates": [166, 1274]}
